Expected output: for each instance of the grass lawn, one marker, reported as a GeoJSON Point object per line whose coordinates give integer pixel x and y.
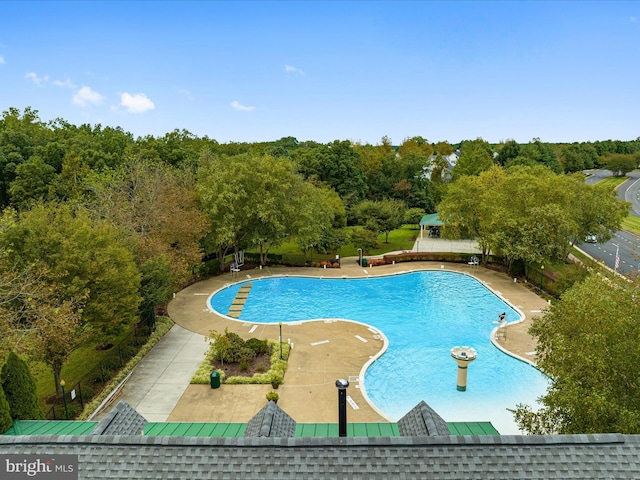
{"type": "Point", "coordinates": [81, 362]}
{"type": "Point", "coordinates": [631, 224]}
{"type": "Point", "coordinates": [400, 239]}
{"type": "Point", "coordinates": [613, 182]}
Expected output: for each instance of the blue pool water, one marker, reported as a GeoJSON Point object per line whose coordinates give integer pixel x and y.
{"type": "Point", "coordinates": [423, 315]}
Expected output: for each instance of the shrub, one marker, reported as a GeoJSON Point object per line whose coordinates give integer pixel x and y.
{"type": "Point", "coordinates": [5, 415]}
{"type": "Point", "coordinates": [258, 346]}
{"type": "Point", "coordinates": [272, 396]}
{"type": "Point", "coordinates": [20, 389]}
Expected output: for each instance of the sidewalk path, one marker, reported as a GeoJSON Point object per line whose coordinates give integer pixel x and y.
{"type": "Point", "coordinates": [160, 379]}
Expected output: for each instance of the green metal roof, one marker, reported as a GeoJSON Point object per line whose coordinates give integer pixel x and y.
{"type": "Point", "coordinates": [472, 428]}
{"type": "Point", "coordinates": [431, 220]}
{"type": "Point", "coordinates": [51, 427]}
{"type": "Point", "coordinates": [201, 429]}
{"type": "Point", "coordinates": [189, 429]}
{"type": "Point", "coordinates": [353, 430]}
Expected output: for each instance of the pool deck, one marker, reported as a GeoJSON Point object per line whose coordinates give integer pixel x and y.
{"type": "Point", "coordinates": [323, 350]}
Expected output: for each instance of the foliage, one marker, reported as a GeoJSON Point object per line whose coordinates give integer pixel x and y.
{"type": "Point", "coordinates": [363, 238]}
{"type": "Point", "coordinates": [528, 213]}
{"type": "Point", "coordinates": [476, 156]}
{"type": "Point", "coordinates": [81, 256]}
{"type": "Point", "coordinates": [277, 370]}
{"type": "Point", "coordinates": [587, 344]}
{"type": "Point", "coordinates": [620, 165]}
{"type": "Point", "coordinates": [20, 389]}
{"type": "Point", "coordinates": [156, 206]}
{"type": "Point", "coordinates": [272, 396]}
{"type": "Point", "coordinates": [413, 216]}
{"type": "Point", "coordinates": [380, 216]}
{"type": "Point", "coordinates": [56, 330]}
{"type": "Point", "coordinates": [258, 200]}
{"type": "Point", "coordinates": [5, 414]}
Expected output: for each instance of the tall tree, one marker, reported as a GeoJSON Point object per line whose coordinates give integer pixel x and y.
{"type": "Point", "coordinates": [587, 344]}
{"type": "Point", "coordinates": [476, 156]}
{"type": "Point", "coordinates": [156, 206]}
{"type": "Point", "coordinates": [83, 256]}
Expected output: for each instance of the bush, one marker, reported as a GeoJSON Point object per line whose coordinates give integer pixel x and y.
{"type": "Point", "coordinates": [20, 389]}
{"type": "Point", "coordinates": [5, 415]}
{"type": "Point", "coordinates": [258, 346]}
{"type": "Point", "coordinates": [272, 396]}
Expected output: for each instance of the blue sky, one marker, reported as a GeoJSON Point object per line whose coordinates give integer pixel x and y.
{"type": "Point", "coordinates": [258, 71]}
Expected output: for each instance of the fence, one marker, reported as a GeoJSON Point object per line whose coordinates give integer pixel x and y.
{"type": "Point", "coordinates": [70, 404]}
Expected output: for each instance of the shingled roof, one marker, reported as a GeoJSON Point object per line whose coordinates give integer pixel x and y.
{"type": "Point", "coordinates": [442, 457]}
{"type": "Point", "coordinates": [422, 420]}
{"type": "Point", "coordinates": [271, 421]}
{"type": "Point", "coordinates": [121, 420]}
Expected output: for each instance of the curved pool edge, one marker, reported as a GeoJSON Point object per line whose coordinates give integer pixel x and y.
{"type": "Point", "coordinates": [374, 358]}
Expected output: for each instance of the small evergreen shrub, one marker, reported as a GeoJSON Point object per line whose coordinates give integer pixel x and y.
{"type": "Point", "coordinates": [20, 389]}
{"type": "Point", "coordinates": [5, 414]}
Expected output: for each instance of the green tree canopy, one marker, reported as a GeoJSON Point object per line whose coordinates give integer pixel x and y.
{"type": "Point", "coordinates": [82, 256]}
{"type": "Point", "coordinates": [475, 156]}
{"type": "Point", "coordinates": [588, 345]}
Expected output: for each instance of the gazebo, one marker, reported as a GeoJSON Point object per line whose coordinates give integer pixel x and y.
{"type": "Point", "coordinates": [431, 221]}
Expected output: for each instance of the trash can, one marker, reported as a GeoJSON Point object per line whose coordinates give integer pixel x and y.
{"type": "Point", "coordinates": [215, 379]}
{"type": "Point", "coordinates": [364, 262]}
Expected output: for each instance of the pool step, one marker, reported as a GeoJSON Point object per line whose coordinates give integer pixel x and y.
{"type": "Point", "coordinates": [238, 302]}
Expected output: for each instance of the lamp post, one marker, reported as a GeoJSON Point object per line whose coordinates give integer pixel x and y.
{"type": "Point", "coordinates": [64, 400]}
{"type": "Point", "coordinates": [280, 340]}
{"type": "Point", "coordinates": [541, 270]}
{"type": "Point", "coordinates": [342, 386]}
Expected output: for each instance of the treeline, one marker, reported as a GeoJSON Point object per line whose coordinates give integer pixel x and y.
{"type": "Point", "coordinates": [99, 228]}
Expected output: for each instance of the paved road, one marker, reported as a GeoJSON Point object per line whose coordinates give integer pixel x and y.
{"type": "Point", "coordinates": [626, 244]}
{"type": "Point", "coordinates": [630, 191]}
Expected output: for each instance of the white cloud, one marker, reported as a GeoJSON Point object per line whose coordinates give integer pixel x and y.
{"type": "Point", "coordinates": [136, 103]}
{"type": "Point", "coordinates": [238, 106]}
{"type": "Point", "coordinates": [1, 59]}
{"type": "Point", "coordinates": [35, 78]}
{"type": "Point", "coordinates": [67, 83]}
{"type": "Point", "coordinates": [292, 69]}
{"type": "Point", "coordinates": [86, 97]}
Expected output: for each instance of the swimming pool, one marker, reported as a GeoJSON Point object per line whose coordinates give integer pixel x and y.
{"type": "Point", "coordinates": [423, 315]}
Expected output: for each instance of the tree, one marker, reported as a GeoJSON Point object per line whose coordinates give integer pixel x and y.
{"type": "Point", "coordinates": [336, 165]}
{"type": "Point", "coordinates": [475, 156]}
{"type": "Point", "coordinates": [31, 183]}
{"type": "Point", "coordinates": [509, 151]}
{"type": "Point", "coordinates": [469, 208]}
{"type": "Point", "coordinates": [382, 216]}
{"type": "Point", "coordinates": [56, 331]}
{"type": "Point", "coordinates": [413, 216]}
{"type": "Point", "coordinates": [82, 256]}
{"type": "Point", "coordinates": [587, 344]}
{"type": "Point", "coordinates": [20, 389]}
{"type": "Point", "coordinates": [6, 421]}
{"type": "Point", "coordinates": [620, 165]}
{"type": "Point", "coordinates": [363, 238]}
{"type": "Point", "coordinates": [255, 199]}
{"type": "Point", "coordinates": [156, 205]}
